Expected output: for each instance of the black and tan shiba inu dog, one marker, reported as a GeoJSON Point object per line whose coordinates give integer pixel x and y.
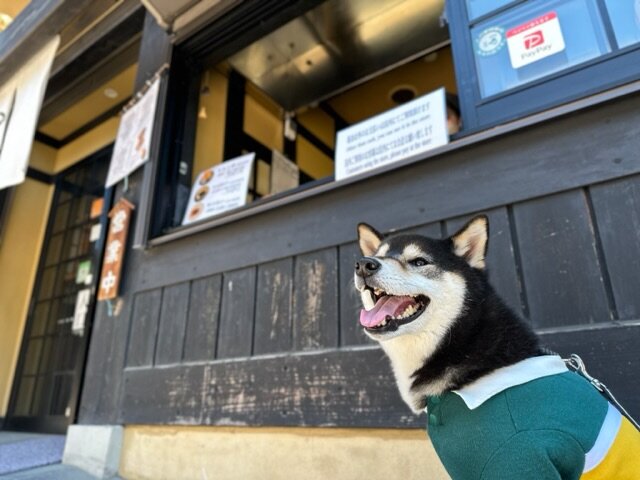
{"type": "Point", "coordinates": [498, 408]}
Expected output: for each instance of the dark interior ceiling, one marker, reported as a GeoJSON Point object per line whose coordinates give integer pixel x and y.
{"type": "Point", "coordinates": [338, 44]}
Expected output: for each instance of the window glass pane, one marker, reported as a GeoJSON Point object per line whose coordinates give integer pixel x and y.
{"type": "Point", "coordinates": [477, 8]}
{"type": "Point", "coordinates": [534, 40]}
{"type": "Point", "coordinates": [25, 395]}
{"type": "Point", "coordinates": [40, 315]}
{"type": "Point", "coordinates": [625, 17]}
{"type": "Point", "coordinates": [32, 357]}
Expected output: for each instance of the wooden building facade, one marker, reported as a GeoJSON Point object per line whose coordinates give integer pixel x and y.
{"type": "Point", "coordinates": [250, 318]}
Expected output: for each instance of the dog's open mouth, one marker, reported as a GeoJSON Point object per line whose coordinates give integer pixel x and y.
{"type": "Point", "coordinates": [390, 311]}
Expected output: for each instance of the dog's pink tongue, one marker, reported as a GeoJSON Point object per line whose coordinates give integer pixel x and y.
{"type": "Point", "coordinates": [387, 305]}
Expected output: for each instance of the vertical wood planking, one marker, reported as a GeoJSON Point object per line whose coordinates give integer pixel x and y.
{"type": "Point", "coordinates": [501, 262]}
{"type": "Point", "coordinates": [273, 307]}
{"type": "Point", "coordinates": [560, 266]}
{"type": "Point", "coordinates": [431, 230]}
{"type": "Point", "coordinates": [236, 319]}
{"type": "Point", "coordinates": [351, 332]}
{"type": "Point", "coordinates": [202, 324]}
{"type": "Point", "coordinates": [617, 210]}
{"type": "Point", "coordinates": [173, 318]}
{"type": "Point", "coordinates": [144, 328]}
{"type": "Point", "coordinates": [315, 301]}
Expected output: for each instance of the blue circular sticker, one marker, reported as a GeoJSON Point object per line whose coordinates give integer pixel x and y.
{"type": "Point", "coordinates": [490, 41]}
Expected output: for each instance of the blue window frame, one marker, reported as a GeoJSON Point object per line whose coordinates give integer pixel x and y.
{"type": "Point", "coordinates": [625, 18]}
{"type": "Point", "coordinates": [480, 8]}
{"type": "Point", "coordinates": [515, 58]}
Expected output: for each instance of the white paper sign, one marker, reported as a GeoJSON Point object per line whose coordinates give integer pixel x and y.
{"type": "Point", "coordinates": [80, 314]}
{"type": "Point", "coordinates": [220, 188]}
{"type": "Point", "coordinates": [134, 136]}
{"type": "Point", "coordinates": [535, 40]}
{"type": "Point", "coordinates": [414, 127]}
{"type": "Point", "coordinates": [285, 174]}
{"type": "Point", "coordinates": [7, 99]}
{"type": "Point", "coordinates": [28, 86]}
{"type": "Point", "coordinates": [94, 233]}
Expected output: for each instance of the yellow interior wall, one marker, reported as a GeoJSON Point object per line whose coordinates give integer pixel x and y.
{"type": "Point", "coordinates": [43, 157]}
{"type": "Point", "coordinates": [311, 160]}
{"type": "Point", "coordinates": [262, 123]}
{"type": "Point", "coordinates": [320, 124]}
{"type": "Point", "coordinates": [373, 97]}
{"type": "Point", "coordinates": [94, 104]}
{"type": "Point", "coordinates": [85, 145]}
{"type": "Point", "coordinates": [177, 453]}
{"type": "Point", "coordinates": [12, 7]}
{"type": "Point", "coordinates": [19, 255]}
{"type": "Point", "coordinates": [209, 143]}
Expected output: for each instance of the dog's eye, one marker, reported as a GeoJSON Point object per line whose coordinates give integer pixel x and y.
{"type": "Point", "coordinates": [419, 262]}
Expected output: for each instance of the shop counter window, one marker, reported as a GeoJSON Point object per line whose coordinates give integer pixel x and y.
{"type": "Point", "coordinates": [284, 92]}
{"type": "Point", "coordinates": [285, 95]}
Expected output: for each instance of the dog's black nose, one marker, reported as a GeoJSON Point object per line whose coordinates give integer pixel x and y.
{"type": "Point", "coordinates": [367, 266]}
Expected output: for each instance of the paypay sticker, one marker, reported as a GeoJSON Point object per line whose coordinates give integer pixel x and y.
{"type": "Point", "coordinates": [534, 40]}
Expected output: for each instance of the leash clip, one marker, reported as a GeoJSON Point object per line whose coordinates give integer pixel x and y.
{"type": "Point", "coordinates": [575, 362]}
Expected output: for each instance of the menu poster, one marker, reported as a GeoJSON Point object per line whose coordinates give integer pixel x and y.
{"type": "Point", "coordinates": [220, 188]}
{"type": "Point", "coordinates": [134, 136]}
{"type": "Point", "coordinates": [285, 175]}
{"type": "Point", "coordinates": [412, 128]}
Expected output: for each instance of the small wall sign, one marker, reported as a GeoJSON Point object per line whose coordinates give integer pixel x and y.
{"type": "Point", "coordinates": [534, 40]}
{"type": "Point", "coordinates": [134, 136]}
{"type": "Point", "coordinates": [220, 188]}
{"type": "Point", "coordinates": [412, 128]}
{"type": "Point", "coordinates": [119, 221]}
{"type": "Point", "coordinates": [285, 175]}
{"type": "Point", "coordinates": [83, 299]}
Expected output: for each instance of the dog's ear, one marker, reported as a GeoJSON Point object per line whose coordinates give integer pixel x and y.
{"type": "Point", "coordinates": [369, 239]}
{"type": "Point", "coordinates": [471, 241]}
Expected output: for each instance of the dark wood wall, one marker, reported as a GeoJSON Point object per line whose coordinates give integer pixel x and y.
{"type": "Point", "coordinates": [255, 322]}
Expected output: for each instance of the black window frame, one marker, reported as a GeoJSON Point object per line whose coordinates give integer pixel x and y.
{"type": "Point", "coordinates": [228, 34]}
{"type": "Point", "coordinates": [6, 195]}
{"type": "Point", "coordinates": [599, 74]}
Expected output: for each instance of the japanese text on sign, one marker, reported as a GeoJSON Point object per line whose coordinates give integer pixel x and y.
{"type": "Point", "coordinates": [537, 39]}
{"type": "Point", "coordinates": [412, 128]}
{"type": "Point", "coordinates": [120, 217]}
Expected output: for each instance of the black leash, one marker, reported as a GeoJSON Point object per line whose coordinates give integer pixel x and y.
{"type": "Point", "coordinates": [575, 363]}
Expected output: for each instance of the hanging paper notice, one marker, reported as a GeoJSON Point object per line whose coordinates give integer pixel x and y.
{"type": "Point", "coordinates": [412, 128]}
{"type": "Point", "coordinates": [83, 299]}
{"type": "Point", "coordinates": [285, 174]}
{"type": "Point", "coordinates": [220, 188]}
{"type": "Point", "coordinates": [134, 136]}
{"type": "Point", "coordinates": [535, 40]}
{"type": "Point", "coordinates": [20, 101]}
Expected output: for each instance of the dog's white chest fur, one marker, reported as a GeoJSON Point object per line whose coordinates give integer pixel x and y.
{"type": "Point", "coordinates": [409, 352]}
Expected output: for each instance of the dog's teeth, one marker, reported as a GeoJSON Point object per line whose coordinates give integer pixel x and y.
{"type": "Point", "coordinates": [367, 299]}
{"type": "Point", "coordinates": [384, 322]}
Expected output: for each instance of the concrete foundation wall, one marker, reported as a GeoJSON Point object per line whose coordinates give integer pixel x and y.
{"type": "Point", "coordinates": [176, 453]}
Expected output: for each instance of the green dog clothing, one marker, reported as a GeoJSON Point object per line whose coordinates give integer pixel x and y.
{"type": "Point", "coordinates": [534, 420]}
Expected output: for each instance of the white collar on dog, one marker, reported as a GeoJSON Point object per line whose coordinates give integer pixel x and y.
{"type": "Point", "coordinates": [481, 390]}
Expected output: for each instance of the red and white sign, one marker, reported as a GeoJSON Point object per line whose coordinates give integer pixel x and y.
{"type": "Point", "coordinates": [535, 40]}
{"type": "Point", "coordinates": [120, 219]}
